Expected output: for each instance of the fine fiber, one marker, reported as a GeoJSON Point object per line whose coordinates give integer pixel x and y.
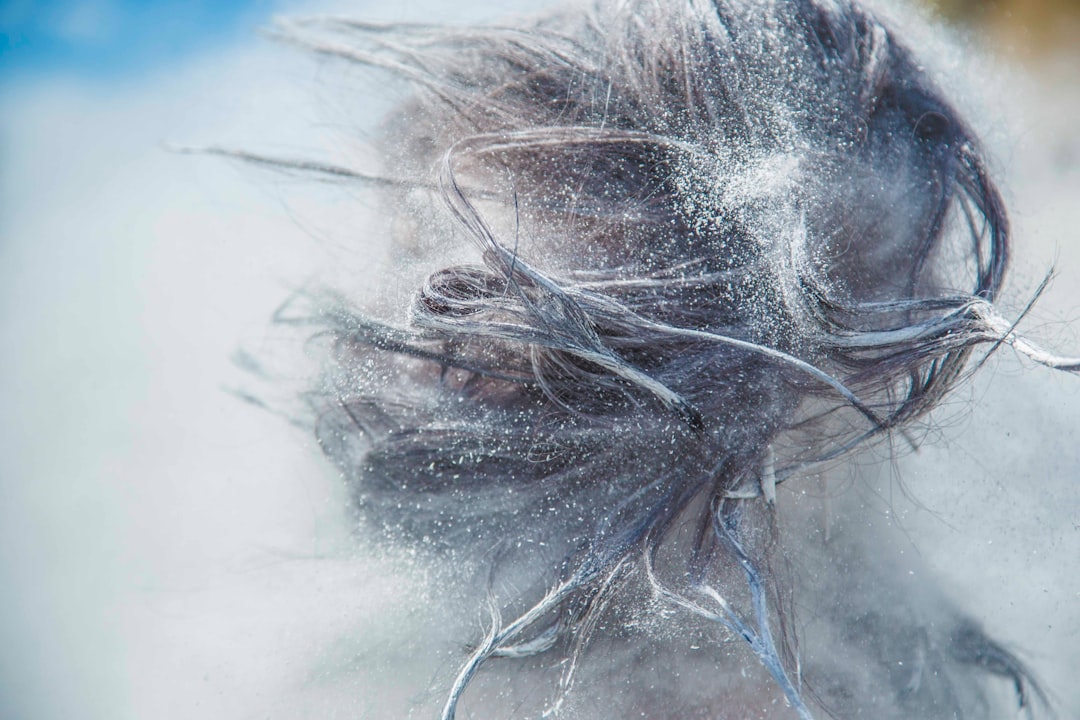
{"type": "Point", "coordinates": [716, 246]}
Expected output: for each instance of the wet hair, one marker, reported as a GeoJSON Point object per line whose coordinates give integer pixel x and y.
{"type": "Point", "coordinates": [718, 244]}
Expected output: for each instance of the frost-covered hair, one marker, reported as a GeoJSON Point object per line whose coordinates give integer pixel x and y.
{"type": "Point", "coordinates": [717, 244]}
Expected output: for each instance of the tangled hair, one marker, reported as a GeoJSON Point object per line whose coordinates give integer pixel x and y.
{"type": "Point", "coordinates": [720, 243]}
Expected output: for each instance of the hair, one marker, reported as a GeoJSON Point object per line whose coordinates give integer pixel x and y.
{"type": "Point", "coordinates": [718, 243]}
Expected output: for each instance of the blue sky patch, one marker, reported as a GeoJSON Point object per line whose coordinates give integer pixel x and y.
{"type": "Point", "coordinates": [117, 37]}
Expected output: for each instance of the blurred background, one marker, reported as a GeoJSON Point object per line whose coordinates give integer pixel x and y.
{"type": "Point", "coordinates": [117, 37]}
{"type": "Point", "coordinates": [169, 550]}
{"type": "Point", "coordinates": [1025, 28]}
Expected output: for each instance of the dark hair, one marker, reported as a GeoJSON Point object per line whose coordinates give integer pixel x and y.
{"type": "Point", "coordinates": [719, 243]}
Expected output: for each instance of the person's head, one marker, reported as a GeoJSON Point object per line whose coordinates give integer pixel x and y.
{"type": "Point", "coordinates": [716, 247]}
